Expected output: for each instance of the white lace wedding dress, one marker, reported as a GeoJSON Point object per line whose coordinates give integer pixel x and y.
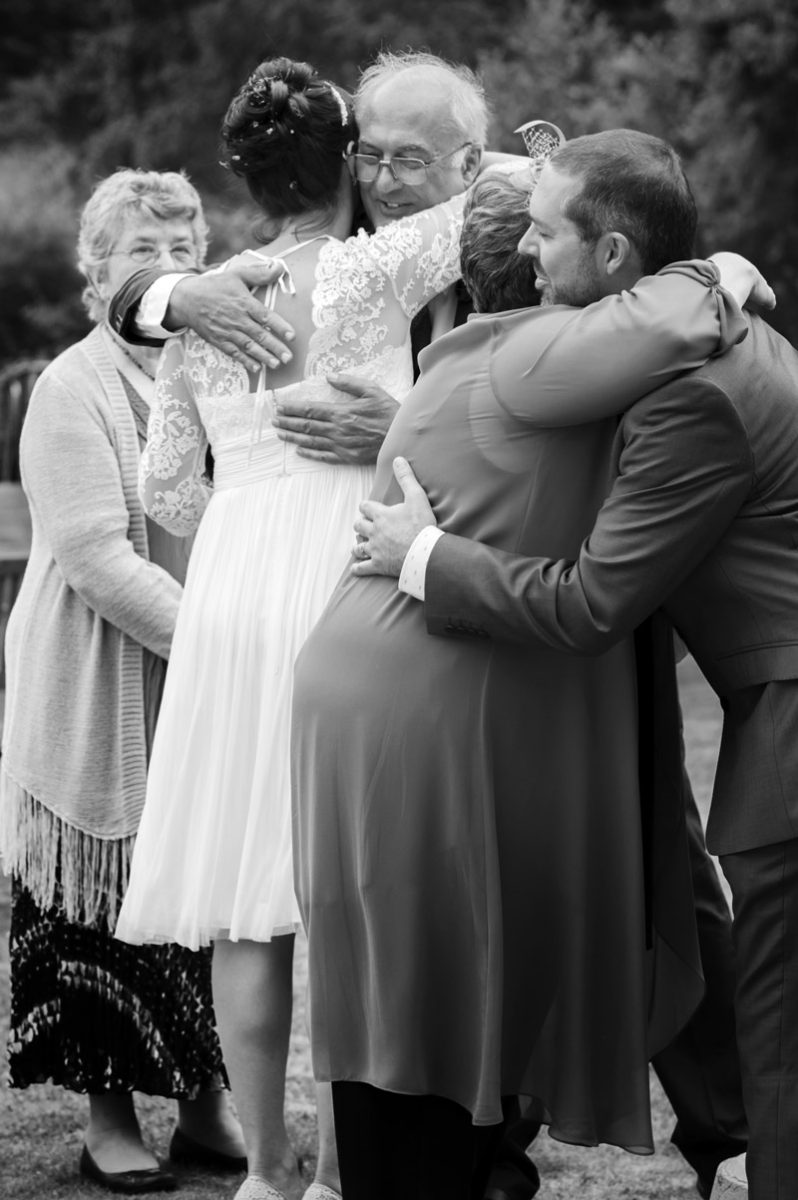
{"type": "Point", "coordinates": [213, 855]}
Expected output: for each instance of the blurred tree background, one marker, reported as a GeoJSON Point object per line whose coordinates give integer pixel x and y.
{"type": "Point", "coordinates": [86, 88]}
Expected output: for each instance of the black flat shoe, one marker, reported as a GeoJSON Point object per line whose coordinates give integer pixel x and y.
{"type": "Point", "coordinates": [183, 1149]}
{"type": "Point", "coordinates": [150, 1179]}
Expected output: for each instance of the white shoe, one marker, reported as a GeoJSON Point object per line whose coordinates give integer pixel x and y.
{"type": "Point", "coordinates": [255, 1187]}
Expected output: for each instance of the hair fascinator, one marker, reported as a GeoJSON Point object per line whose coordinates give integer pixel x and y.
{"type": "Point", "coordinates": [541, 139]}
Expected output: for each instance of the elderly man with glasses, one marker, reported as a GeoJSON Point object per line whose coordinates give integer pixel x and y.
{"type": "Point", "coordinates": [423, 125]}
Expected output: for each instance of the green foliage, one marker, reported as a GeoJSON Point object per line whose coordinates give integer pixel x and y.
{"type": "Point", "coordinates": [85, 89]}
{"type": "Point", "coordinates": [718, 80]}
{"type": "Point", "coordinates": [39, 282]}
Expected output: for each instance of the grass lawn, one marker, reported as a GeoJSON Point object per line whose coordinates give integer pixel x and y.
{"type": "Point", "coordinates": [41, 1128]}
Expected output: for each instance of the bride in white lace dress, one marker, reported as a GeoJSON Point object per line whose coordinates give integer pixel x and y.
{"type": "Point", "coordinates": [213, 860]}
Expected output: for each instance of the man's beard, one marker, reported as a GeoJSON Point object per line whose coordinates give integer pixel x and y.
{"type": "Point", "coordinates": [583, 288]}
{"type": "Point", "coordinates": [578, 295]}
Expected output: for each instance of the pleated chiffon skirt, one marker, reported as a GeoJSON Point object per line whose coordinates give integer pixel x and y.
{"type": "Point", "coordinates": [214, 852]}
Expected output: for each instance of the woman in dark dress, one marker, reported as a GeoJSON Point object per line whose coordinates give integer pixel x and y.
{"type": "Point", "coordinates": [468, 840]}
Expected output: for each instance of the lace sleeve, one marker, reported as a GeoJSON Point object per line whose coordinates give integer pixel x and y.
{"type": "Point", "coordinates": [171, 484]}
{"type": "Point", "coordinates": [564, 366]}
{"type": "Point", "coordinates": [421, 254]}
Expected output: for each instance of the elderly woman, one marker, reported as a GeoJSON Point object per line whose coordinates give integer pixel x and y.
{"type": "Point", "coordinates": [86, 648]}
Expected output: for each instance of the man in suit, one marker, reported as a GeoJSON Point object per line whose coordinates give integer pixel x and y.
{"type": "Point", "coordinates": [702, 520]}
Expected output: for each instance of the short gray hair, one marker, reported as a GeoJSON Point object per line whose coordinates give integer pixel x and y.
{"type": "Point", "coordinates": [497, 275]}
{"type": "Point", "coordinates": [470, 113]}
{"type": "Point", "coordinates": [165, 195]}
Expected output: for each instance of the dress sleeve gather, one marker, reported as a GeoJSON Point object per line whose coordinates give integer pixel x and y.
{"type": "Point", "coordinates": [421, 253]}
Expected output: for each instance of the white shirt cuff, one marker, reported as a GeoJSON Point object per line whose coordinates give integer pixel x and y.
{"type": "Point", "coordinates": [414, 569]}
{"type": "Point", "coordinates": [153, 306]}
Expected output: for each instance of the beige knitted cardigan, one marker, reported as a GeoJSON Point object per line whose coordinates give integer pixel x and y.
{"type": "Point", "coordinates": [73, 770]}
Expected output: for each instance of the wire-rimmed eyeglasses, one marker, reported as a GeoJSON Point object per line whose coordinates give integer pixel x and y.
{"type": "Point", "coordinates": [148, 255]}
{"type": "Point", "coordinates": [366, 167]}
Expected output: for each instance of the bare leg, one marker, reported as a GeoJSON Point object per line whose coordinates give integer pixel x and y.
{"type": "Point", "coordinates": [113, 1137]}
{"type": "Point", "coordinates": [210, 1121]}
{"type": "Point", "coordinates": [327, 1165]}
{"type": "Point", "coordinates": [252, 994]}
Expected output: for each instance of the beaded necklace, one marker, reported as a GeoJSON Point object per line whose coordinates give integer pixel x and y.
{"type": "Point", "coordinates": [116, 343]}
{"type": "Point", "coordinates": [150, 374]}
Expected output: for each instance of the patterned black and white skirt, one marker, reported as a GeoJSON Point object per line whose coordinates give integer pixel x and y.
{"type": "Point", "coordinates": [95, 1015]}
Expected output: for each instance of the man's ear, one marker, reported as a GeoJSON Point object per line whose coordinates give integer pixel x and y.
{"type": "Point", "coordinates": [471, 161]}
{"type": "Point", "coordinates": [615, 255]}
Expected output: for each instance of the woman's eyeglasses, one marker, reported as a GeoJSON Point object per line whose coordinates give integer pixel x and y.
{"type": "Point", "coordinates": [404, 170]}
{"type": "Point", "coordinates": [148, 255]}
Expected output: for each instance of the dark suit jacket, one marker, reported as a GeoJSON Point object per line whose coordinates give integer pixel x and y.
{"type": "Point", "coordinates": [124, 305]}
{"type": "Point", "coordinates": [702, 519]}
{"type": "Point", "coordinates": [421, 325]}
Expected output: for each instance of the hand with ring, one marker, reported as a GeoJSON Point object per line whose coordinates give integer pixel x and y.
{"type": "Point", "coordinates": [220, 307]}
{"type": "Point", "coordinates": [386, 532]}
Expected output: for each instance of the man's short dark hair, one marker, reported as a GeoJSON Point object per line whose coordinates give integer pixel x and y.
{"type": "Point", "coordinates": [496, 217]}
{"type": "Point", "coordinates": [634, 184]}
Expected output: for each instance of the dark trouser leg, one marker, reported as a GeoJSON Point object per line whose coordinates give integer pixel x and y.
{"type": "Point", "coordinates": [513, 1175]}
{"type": "Point", "coordinates": [700, 1069]}
{"type": "Point", "coordinates": [764, 885]}
{"type": "Point", "coordinates": [393, 1147]}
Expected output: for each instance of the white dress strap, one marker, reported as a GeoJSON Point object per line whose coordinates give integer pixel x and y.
{"type": "Point", "coordinates": [263, 404]}
{"type": "Point", "coordinates": [263, 407]}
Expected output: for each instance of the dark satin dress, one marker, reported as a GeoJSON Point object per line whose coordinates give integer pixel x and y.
{"type": "Point", "coordinates": [467, 824]}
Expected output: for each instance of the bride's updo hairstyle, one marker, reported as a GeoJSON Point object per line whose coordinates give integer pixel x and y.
{"type": "Point", "coordinates": [286, 133]}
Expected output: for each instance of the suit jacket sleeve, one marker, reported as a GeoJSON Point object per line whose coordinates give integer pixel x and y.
{"type": "Point", "coordinates": [684, 470]}
{"type": "Point", "coordinates": [125, 303]}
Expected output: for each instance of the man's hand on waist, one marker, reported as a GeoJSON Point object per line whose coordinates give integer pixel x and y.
{"type": "Point", "coordinates": [352, 430]}
{"type": "Point", "coordinates": [387, 531]}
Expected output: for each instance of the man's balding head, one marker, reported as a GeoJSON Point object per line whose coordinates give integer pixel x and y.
{"type": "Point", "coordinates": [419, 106]}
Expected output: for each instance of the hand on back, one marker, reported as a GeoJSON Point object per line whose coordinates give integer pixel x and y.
{"type": "Point", "coordinates": [351, 431]}
{"type": "Point", "coordinates": [220, 307]}
{"type": "Point", "coordinates": [744, 281]}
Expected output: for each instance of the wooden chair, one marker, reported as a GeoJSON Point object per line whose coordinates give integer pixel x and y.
{"type": "Point", "coordinates": [16, 385]}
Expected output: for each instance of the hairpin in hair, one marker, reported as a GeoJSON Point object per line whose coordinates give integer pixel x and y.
{"type": "Point", "coordinates": [258, 90]}
{"type": "Point", "coordinates": [344, 111]}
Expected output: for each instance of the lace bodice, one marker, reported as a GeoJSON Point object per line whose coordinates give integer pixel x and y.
{"type": "Point", "coordinates": [366, 291]}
